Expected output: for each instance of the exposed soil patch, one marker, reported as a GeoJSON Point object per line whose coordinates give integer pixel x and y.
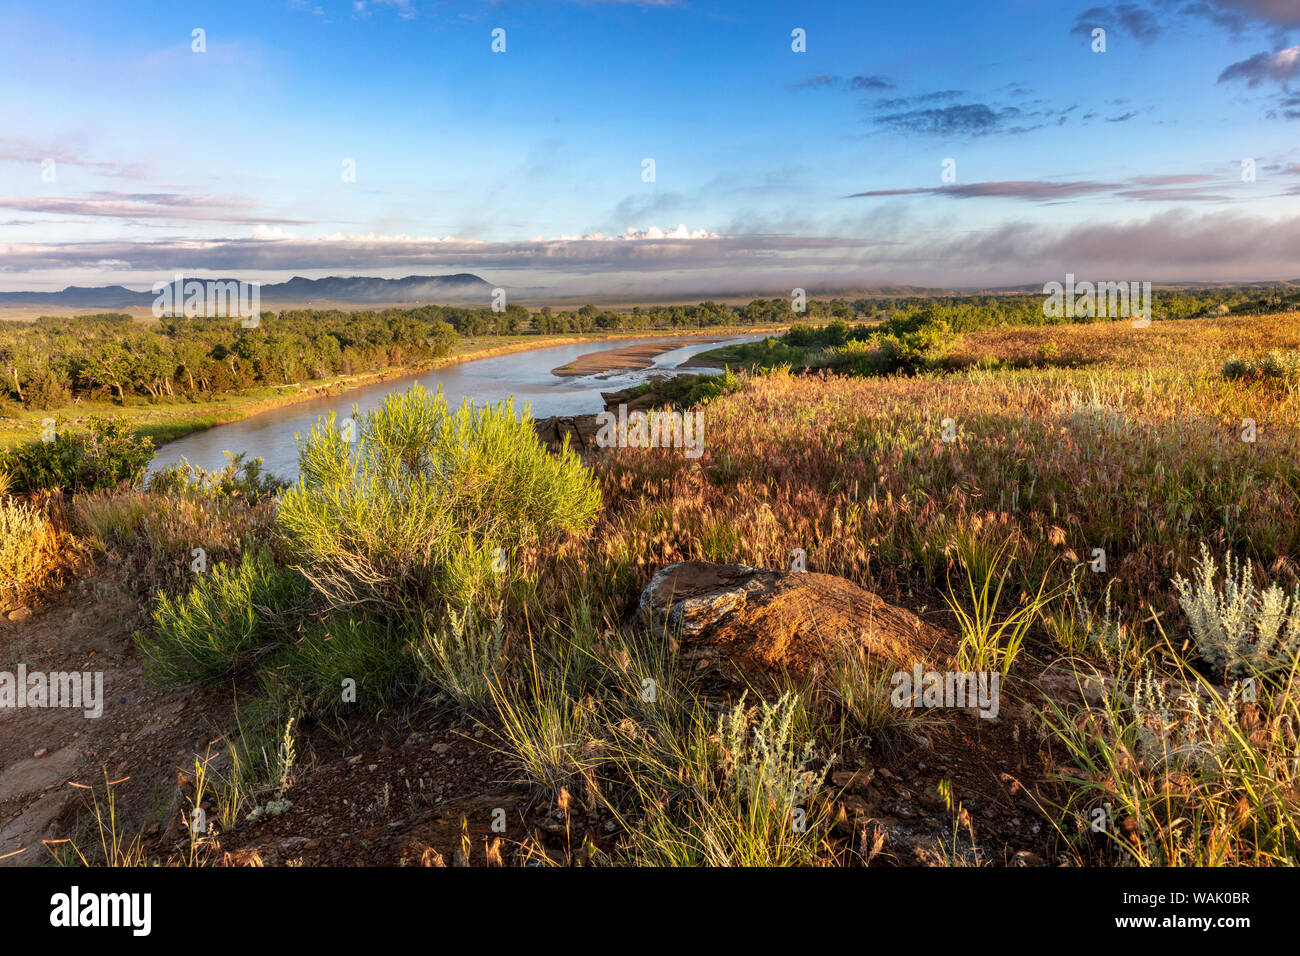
{"type": "Point", "coordinates": [143, 734]}
{"type": "Point", "coordinates": [441, 796]}
{"type": "Point", "coordinates": [446, 797]}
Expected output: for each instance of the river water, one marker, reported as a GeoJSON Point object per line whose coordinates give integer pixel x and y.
{"type": "Point", "coordinates": [273, 435]}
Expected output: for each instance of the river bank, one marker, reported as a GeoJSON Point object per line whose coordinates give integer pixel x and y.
{"type": "Point", "coordinates": [166, 422]}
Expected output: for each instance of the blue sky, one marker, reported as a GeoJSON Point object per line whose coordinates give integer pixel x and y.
{"type": "Point", "coordinates": [125, 155]}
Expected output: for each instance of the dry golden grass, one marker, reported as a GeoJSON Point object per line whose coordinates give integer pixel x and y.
{"type": "Point", "coordinates": [32, 550]}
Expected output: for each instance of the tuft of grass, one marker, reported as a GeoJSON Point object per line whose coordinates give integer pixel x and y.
{"type": "Point", "coordinates": [115, 849]}
{"type": "Point", "coordinates": [859, 690]}
{"type": "Point", "coordinates": [554, 736]}
{"type": "Point", "coordinates": [988, 644]}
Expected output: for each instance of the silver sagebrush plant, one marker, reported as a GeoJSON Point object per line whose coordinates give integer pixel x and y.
{"type": "Point", "coordinates": [762, 762]}
{"type": "Point", "coordinates": [1240, 629]}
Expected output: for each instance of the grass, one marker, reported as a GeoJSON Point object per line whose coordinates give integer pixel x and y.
{"type": "Point", "coordinates": [31, 550]}
{"type": "Point", "coordinates": [229, 616]}
{"type": "Point", "coordinates": [1050, 525]}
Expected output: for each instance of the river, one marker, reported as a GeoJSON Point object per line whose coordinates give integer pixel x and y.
{"type": "Point", "coordinates": [273, 435]}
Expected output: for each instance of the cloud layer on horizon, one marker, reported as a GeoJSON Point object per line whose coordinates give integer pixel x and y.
{"type": "Point", "coordinates": [1168, 246]}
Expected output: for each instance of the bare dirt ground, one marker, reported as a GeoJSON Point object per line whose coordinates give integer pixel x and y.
{"type": "Point", "coordinates": [143, 734]}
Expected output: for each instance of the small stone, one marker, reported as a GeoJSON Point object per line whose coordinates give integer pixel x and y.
{"type": "Point", "coordinates": [41, 753]}
{"type": "Point", "coordinates": [857, 780]}
{"type": "Point", "coordinates": [1028, 858]}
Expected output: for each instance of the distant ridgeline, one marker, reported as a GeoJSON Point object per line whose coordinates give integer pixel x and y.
{"type": "Point", "coordinates": [47, 362]}
{"type": "Point", "coordinates": [350, 290]}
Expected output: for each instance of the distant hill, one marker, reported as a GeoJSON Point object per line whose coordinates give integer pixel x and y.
{"type": "Point", "coordinates": [298, 290]}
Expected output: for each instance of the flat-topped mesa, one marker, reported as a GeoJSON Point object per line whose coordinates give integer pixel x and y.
{"type": "Point", "coordinates": [750, 626]}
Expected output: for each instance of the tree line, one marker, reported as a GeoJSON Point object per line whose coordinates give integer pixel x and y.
{"type": "Point", "coordinates": [53, 360]}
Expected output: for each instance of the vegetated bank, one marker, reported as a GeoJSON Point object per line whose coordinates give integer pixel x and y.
{"type": "Point", "coordinates": [441, 620]}
{"type": "Point", "coordinates": [180, 375]}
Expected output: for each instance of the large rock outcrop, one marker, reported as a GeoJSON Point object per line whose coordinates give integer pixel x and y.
{"type": "Point", "coordinates": [579, 429]}
{"type": "Point", "coordinates": [749, 625]}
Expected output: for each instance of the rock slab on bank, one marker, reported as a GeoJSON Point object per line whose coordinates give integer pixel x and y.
{"type": "Point", "coordinates": [579, 429]}
{"type": "Point", "coordinates": [748, 624]}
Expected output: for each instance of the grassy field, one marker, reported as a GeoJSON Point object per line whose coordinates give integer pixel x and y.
{"type": "Point", "coordinates": [1074, 506]}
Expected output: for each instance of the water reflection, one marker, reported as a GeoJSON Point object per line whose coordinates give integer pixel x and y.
{"type": "Point", "coordinates": [525, 375]}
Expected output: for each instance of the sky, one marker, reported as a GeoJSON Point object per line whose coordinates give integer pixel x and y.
{"type": "Point", "coordinates": [662, 147]}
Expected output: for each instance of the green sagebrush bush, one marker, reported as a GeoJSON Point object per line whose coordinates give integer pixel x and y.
{"type": "Point", "coordinates": [351, 662]}
{"type": "Point", "coordinates": [228, 617]}
{"type": "Point", "coordinates": [110, 456]}
{"type": "Point", "coordinates": [411, 513]}
{"type": "Point", "coordinates": [1276, 367]}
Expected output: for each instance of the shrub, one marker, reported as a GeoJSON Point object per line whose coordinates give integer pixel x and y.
{"type": "Point", "coordinates": [110, 456]}
{"type": "Point", "coordinates": [761, 765]}
{"type": "Point", "coordinates": [461, 658]}
{"type": "Point", "coordinates": [738, 792]}
{"type": "Point", "coordinates": [1278, 368]}
{"type": "Point", "coordinates": [371, 653]}
{"type": "Point", "coordinates": [687, 391]}
{"type": "Point", "coordinates": [241, 478]}
{"type": "Point", "coordinates": [226, 618]}
{"type": "Point", "coordinates": [29, 548]}
{"type": "Point", "coordinates": [47, 390]}
{"type": "Point", "coordinates": [1240, 630]}
{"type": "Point", "coordinates": [415, 513]}
{"type": "Point", "coordinates": [913, 350]}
